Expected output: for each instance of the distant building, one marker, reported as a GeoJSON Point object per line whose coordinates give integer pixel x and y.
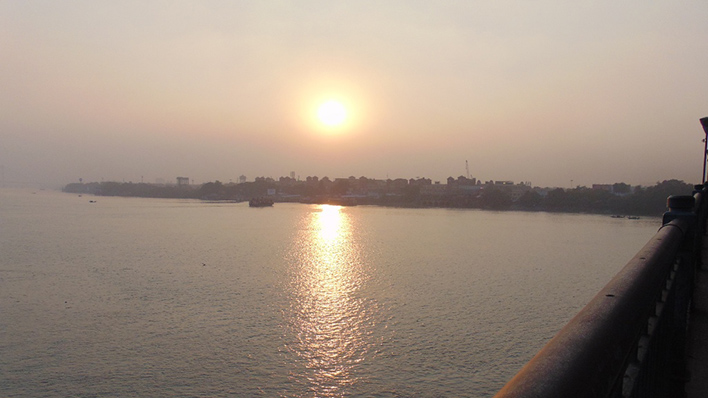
{"type": "Point", "coordinates": [602, 187]}
{"type": "Point", "coordinates": [463, 185]}
{"type": "Point", "coordinates": [467, 189]}
{"type": "Point", "coordinates": [287, 181]}
{"type": "Point", "coordinates": [242, 179]}
{"type": "Point", "coordinates": [433, 190]}
{"type": "Point", "coordinates": [420, 181]}
{"type": "Point", "coordinates": [619, 189]}
{"type": "Point", "coordinates": [517, 191]}
{"type": "Point", "coordinates": [398, 183]}
{"type": "Point", "coordinates": [182, 181]}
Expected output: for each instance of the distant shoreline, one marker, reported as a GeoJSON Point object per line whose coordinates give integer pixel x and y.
{"type": "Point", "coordinates": [641, 201]}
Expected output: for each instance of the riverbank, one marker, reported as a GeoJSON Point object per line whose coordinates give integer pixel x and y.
{"type": "Point", "coordinates": [641, 201]}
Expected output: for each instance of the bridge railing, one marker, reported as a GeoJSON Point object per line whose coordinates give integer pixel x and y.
{"type": "Point", "coordinates": [629, 340]}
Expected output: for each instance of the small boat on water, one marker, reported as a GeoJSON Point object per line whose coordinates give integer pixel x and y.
{"type": "Point", "coordinates": [260, 202]}
{"type": "Point", "coordinates": [633, 217]}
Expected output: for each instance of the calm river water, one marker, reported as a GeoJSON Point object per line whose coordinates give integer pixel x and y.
{"type": "Point", "coordinates": [131, 297]}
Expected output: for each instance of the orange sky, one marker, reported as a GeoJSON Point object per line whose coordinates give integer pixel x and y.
{"type": "Point", "coordinates": [547, 91]}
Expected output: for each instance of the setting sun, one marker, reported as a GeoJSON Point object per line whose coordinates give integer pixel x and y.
{"type": "Point", "coordinates": [332, 113]}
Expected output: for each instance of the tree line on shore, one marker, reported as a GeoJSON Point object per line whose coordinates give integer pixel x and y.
{"type": "Point", "coordinates": [650, 200]}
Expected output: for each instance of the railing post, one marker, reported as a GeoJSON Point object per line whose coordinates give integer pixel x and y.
{"type": "Point", "coordinates": [681, 207]}
{"type": "Point", "coordinates": [699, 193]}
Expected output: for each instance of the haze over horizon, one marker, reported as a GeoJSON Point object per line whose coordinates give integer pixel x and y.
{"type": "Point", "coordinates": [548, 91]}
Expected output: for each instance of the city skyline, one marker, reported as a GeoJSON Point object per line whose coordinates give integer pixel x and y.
{"type": "Point", "coordinates": [417, 180]}
{"type": "Point", "coordinates": [548, 92]}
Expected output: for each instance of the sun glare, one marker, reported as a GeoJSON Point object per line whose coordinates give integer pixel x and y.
{"type": "Point", "coordinates": [332, 113]}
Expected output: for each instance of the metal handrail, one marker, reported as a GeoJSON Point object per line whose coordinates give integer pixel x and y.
{"type": "Point", "coordinates": [589, 356]}
{"type": "Point", "coordinates": [629, 340]}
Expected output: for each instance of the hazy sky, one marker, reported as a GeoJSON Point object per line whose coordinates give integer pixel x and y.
{"type": "Point", "coordinates": [545, 91]}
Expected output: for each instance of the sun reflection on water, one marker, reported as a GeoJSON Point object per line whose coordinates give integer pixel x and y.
{"type": "Point", "coordinates": [327, 319]}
